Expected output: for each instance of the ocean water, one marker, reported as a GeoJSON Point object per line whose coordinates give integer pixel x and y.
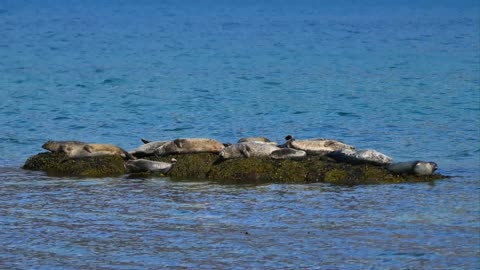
{"type": "Point", "coordinates": [402, 78]}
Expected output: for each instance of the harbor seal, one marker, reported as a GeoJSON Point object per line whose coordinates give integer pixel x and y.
{"type": "Point", "coordinates": [368, 156]}
{"type": "Point", "coordinates": [256, 140]}
{"type": "Point", "coordinates": [288, 153]}
{"type": "Point", "coordinates": [57, 146]}
{"type": "Point", "coordinates": [107, 149]}
{"type": "Point", "coordinates": [189, 146]}
{"type": "Point", "coordinates": [147, 149]}
{"type": "Point", "coordinates": [74, 151]}
{"type": "Point", "coordinates": [246, 150]}
{"type": "Point", "coordinates": [144, 165]}
{"type": "Point", "coordinates": [316, 146]}
{"type": "Point", "coordinates": [413, 167]}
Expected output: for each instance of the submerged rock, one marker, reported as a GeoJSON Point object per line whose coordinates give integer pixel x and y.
{"type": "Point", "coordinates": [209, 166]}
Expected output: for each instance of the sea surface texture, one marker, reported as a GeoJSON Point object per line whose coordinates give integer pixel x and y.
{"type": "Point", "coordinates": [401, 77]}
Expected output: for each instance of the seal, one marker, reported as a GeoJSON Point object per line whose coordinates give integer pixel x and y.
{"type": "Point", "coordinates": [56, 146]}
{"type": "Point", "coordinates": [367, 156]}
{"type": "Point", "coordinates": [107, 149]}
{"type": "Point", "coordinates": [145, 165]}
{"type": "Point", "coordinates": [413, 167]}
{"type": "Point", "coordinates": [75, 151]}
{"type": "Point", "coordinates": [147, 149]}
{"type": "Point", "coordinates": [317, 146]}
{"type": "Point", "coordinates": [246, 150]}
{"type": "Point", "coordinates": [288, 153]}
{"type": "Point", "coordinates": [189, 146]}
{"type": "Point", "coordinates": [256, 140]}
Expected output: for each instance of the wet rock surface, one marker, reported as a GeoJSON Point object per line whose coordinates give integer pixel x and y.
{"type": "Point", "coordinates": [207, 166]}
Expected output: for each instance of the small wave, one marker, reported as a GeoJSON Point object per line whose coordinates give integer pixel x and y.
{"type": "Point", "coordinates": [273, 83]}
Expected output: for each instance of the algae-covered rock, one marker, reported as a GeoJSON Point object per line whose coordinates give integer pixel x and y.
{"type": "Point", "coordinates": [207, 166]}
{"type": "Point", "coordinates": [57, 164]}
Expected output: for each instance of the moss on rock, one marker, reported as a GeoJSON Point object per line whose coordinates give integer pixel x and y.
{"type": "Point", "coordinates": [207, 166]}
{"type": "Point", "coordinates": [57, 164]}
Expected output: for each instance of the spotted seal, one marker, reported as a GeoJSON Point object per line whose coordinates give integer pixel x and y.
{"type": "Point", "coordinates": [318, 146]}
{"type": "Point", "coordinates": [413, 167]}
{"type": "Point", "coordinates": [367, 156]}
{"type": "Point", "coordinates": [145, 165]}
{"type": "Point", "coordinates": [57, 146]}
{"type": "Point", "coordinates": [189, 146]}
{"type": "Point", "coordinates": [246, 150]}
{"type": "Point", "coordinates": [288, 153]}
{"type": "Point", "coordinates": [74, 151]}
{"type": "Point", "coordinates": [256, 140]}
{"type": "Point", "coordinates": [148, 149]}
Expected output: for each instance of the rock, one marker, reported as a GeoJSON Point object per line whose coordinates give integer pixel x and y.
{"type": "Point", "coordinates": [208, 166]}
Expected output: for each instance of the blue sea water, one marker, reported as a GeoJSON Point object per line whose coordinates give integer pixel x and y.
{"type": "Point", "coordinates": [401, 77]}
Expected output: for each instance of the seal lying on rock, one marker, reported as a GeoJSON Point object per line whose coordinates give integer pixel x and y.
{"type": "Point", "coordinates": [57, 146]}
{"type": "Point", "coordinates": [94, 150]}
{"type": "Point", "coordinates": [288, 153]}
{"type": "Point", "coordinates": [246, 150]}
{"type": "Point", "coordinates": [316, 146]}
{"type": "Point", "coordinates": [413, 167]}
{"type": "Point", "coordinates": [144, 165]}
{"type": "Point", "coordinates": [256, 140]}
{"type": "Point", "coordinates": [148, 149]}
{"type": "Point", "coordinates": [189, 146]}
{"type": "Point", "coordinates": [353, 156]}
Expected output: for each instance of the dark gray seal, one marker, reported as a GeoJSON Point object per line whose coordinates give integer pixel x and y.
{"type": "Point", "coordinates": [144, 165]}
{"type": "Point", "coordinates": [288, 153]}
{"type": "Point", "coordinates": [317, 146]}
{"type": "Point", "coordinates": [368, 156]}
{"type": "Point", "coordinates": [246, 150]}
{"type": "Point", "coordinates": [189, 146]}
{"type": "Point", "coordinates": [413, 167]}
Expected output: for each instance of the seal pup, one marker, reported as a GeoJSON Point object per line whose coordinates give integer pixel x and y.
{"type": "Point", "coordinates": [147, 149]}
{"type": "Point", "coordinates": [367, 156]}
{"type": "Point", "coordinates": [246, 150]}
{"type": "Point", "coordinates": [57, 146]}
{"type": "Point", "coordinates": [189, 146]}
{"type": "Point", "coordinates": [288, 153]}
{"type": "Point", "coordinates": [316, 146]}
{"type": "Point", "coordinates": [145, 165]}
{"type": "Point", "coordinates": [413, 167]}
{"type": "Point", "coordinates": [256, 140]}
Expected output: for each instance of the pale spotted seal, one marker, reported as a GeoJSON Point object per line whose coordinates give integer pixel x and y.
{"type": "Point", "coordinates": [353, 156]}
{"type": "Point", "coordinates": [256, 140]}
{"type": "Point", "coordinates": [246, 150]}
{"type": "Point", "coordinates": [57, 146]}
{"type": "Point", "coordinates": [316, 146]}
{"type": "Point", "coordinates": [189, 146]}
{"type": "Point", "coordinates": [94, 150]}
{"type": "Point", "coordinates": [148, 149]}
{"type": "Point", "coordinates": [144, 165]}
{"type": "Point", "coordinates": [413, 167]}
{"type": "Point", "coordinates": [288, 153]}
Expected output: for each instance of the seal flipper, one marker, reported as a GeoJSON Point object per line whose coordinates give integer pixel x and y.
{"type": "Point", "coordinates": [245, 151]}
{"type": "Point", "coordinates": [145, 141]}
{"type": "Point", "coordinates": [87, 148]}
{"type": "Point", "coordinates": [178, 142]}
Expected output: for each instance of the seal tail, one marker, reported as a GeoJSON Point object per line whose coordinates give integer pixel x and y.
{"type": "Point", "coordinates": [128, 156]}
{"type": "Point", "coordinates": [145, 141]}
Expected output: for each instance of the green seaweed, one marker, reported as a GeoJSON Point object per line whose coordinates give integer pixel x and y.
{"type": "Point", "coordinates": [207, 166]}
{"type": "Point", "coordinates": [57, 164]}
